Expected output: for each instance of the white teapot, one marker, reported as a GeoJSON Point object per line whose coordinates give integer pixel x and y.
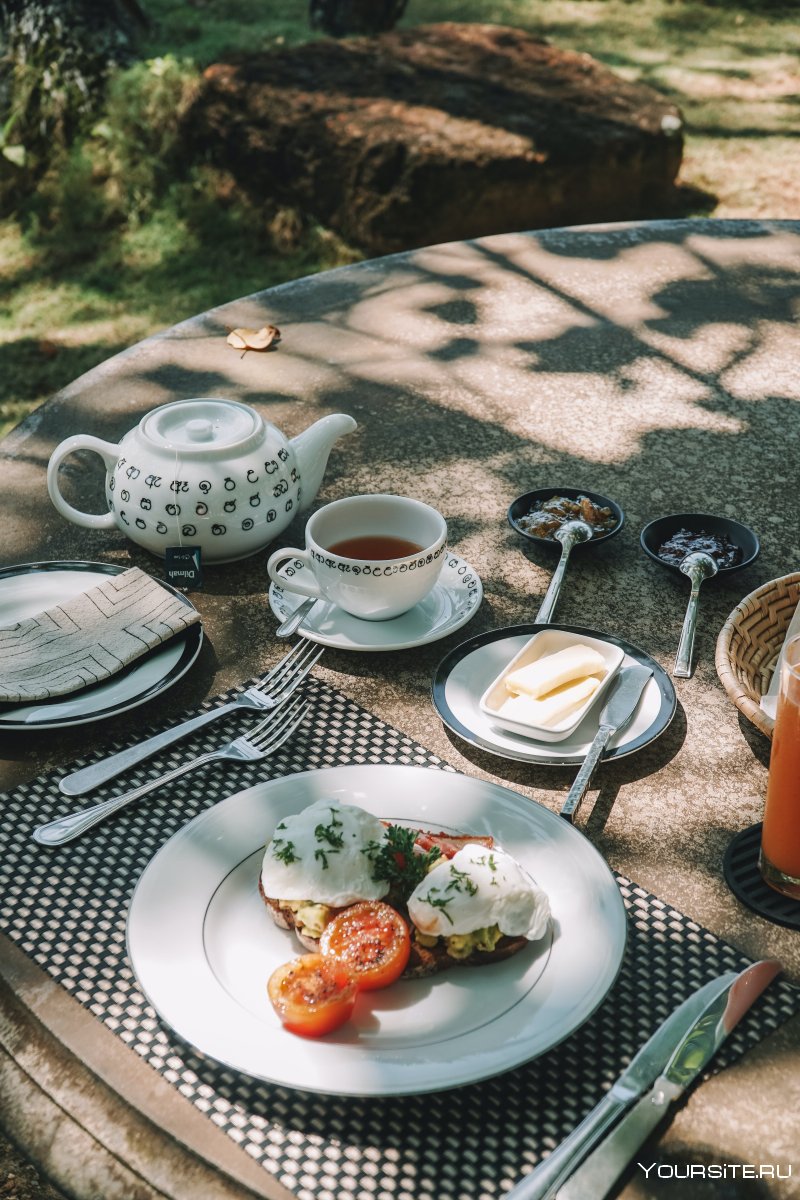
{"type": "Point", "coordinates": [204, 472]}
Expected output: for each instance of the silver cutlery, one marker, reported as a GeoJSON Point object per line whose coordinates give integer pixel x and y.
{"type": "Point", "coordinates": [689, 1036]}
{"type": "Point", "coordinates": [273, 689]}
{"type": "Point", "coordinates": [615, 714]}
{"type": "Point", "coordinates": [569, 534]}
{"type": "Point", "coordinates": [295, 619]}
{"type": "Point", "coordinates": [595, 1177]}
{"type": "Point", "coordinates": [698, 566]}
{"type": "Point", "coordinates": [261, 741]}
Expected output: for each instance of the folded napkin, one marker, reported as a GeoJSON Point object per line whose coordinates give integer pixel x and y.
{"type": "Point", "coordinates": [89, 637]}
{"type": "Point", "coordinates": [769, 701]}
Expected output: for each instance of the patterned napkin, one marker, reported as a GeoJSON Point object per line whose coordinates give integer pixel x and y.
{"type": "Point", "coordinates": [88, 638]}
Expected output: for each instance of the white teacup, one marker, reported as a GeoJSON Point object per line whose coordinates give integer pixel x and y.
{"type": "Point", "coordinates": [373, 556]}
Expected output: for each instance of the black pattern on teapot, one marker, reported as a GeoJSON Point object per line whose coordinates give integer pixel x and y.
{"type": "Point", "coordinates": [153, 481]}
{"type": "Point", "coordinates": [271, 514]}
{"type": "Point", "coordinates": [247, 524]}
{"type": "Point", "coordinates": [251, 476]}
{"type": "Point", "coordinates": [229, 506]}
{"type": "Point", "coordinates": [281, 487]}
{"type": "Point", "coordinates": [201, 509]}
{"type": "Point", "coordinates": [133, 472]}
{"type": "Point", "coordinates": [218, 530]}
{"type": "Point", "coordinates": [255, 499]}
{"type": "Point", "coordinates": [205, 486]}
{"type": "Point", "coordinates": [229, 484]}
{"type": "Point", "coordinates": [174, 510]}
{"type": "Point", "coordinates": [283, 454]}
{"type": "Point", "coordinates": [188, 530]}
{"type": "Point", "coordinates": [125, 495]}
{"type": "Point", "coordinates": [161, 528]}
{"type": "Point", "coordinates": [146, 503]}
{"type": "Point", "coordinates": [141, 524]}
{"type": "Point", "coordinates": [271, 467]}
{"type": "Point", "coordinates": [179, 485]}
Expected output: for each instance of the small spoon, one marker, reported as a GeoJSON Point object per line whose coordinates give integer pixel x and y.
{"type": "Point", "coordinates": [295, 619]}
{"type": "Point", "coordinates": [698, 566]}
{"type": "Point", "coordinates": [569, 534]}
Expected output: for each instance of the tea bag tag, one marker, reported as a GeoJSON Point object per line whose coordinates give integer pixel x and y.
{"type": "Point", "coordinates": [182, 567]}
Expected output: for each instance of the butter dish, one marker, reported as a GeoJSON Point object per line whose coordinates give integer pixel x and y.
{"type": "Point", "coordinates": [532, 709]}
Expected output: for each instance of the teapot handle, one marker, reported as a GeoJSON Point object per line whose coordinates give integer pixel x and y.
{"type": "Point", "coordinates": [79, 441]}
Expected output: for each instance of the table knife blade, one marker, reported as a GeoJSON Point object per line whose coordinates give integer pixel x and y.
{"type": "Point", "coordinates": [640, 1074]}
{"type": "Point", "coordinates": [614, 715]}
{"type": "Point", "coordinates": [601, 1169]}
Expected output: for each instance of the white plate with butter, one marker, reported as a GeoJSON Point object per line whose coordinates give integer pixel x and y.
{"type": "Point", "coordinates": [549, 686]}
{"type": "Point", "coordinates": [465, 676]}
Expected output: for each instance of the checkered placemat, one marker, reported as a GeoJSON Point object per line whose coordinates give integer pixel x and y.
{"type": "Point", "coordinates": [67, 910]}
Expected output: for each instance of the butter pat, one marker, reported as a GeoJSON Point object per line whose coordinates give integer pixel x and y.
{"type": "Point", "coordinates": [538, 678]}
{"type": "Point", "coordinates": [558, 704]}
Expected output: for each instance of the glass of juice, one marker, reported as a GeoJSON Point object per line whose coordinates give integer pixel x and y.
{"type": "Point", "coordinates": [779, 860]}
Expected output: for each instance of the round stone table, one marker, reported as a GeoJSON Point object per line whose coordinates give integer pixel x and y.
{"type": "Point", "coordinates": [655, 363]}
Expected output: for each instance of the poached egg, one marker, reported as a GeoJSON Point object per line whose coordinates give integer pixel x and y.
{"type": "Point", "coordinates": [476, 889]}
{"type": "Point", "coordinates": [322, 855]}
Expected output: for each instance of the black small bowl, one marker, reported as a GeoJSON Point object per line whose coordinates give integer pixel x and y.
{"type": "Point", "coordinates": [525, 504]}
{"type": "Point", "coordinates": [662, 529]}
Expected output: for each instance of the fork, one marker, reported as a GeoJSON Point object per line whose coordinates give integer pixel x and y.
{"type": "Point", "coordinates": [273, 689]}
{"type": "Point", "coordinates": [261, 741]}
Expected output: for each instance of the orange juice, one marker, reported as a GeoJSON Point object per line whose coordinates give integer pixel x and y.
{"type": "Point", "coordinates": [779, 861]}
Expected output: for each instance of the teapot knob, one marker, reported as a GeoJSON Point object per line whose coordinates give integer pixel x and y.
{"type": "Point", "coordinates": [199, 430]}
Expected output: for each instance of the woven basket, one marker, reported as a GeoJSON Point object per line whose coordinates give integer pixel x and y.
{"type": "Point", "coordinates": [749, 644]}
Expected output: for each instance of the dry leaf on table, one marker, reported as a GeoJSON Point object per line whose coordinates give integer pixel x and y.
{"type": "Point", "coordinates": [254, 339]}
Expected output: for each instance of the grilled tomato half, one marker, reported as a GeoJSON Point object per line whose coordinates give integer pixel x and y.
{"type": "Point", "coordinates": [313, 995]}
{"type": "Point", "coordinates": [372, 940]}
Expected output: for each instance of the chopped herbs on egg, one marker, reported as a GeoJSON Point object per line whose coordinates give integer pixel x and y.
{"type": "Point", "coordinates": [283, 850]}
{"type": "Point", "coordinates": [440, 897]}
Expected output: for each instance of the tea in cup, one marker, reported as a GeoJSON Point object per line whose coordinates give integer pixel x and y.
{"type": "Point", "coordinates": [375, 557]}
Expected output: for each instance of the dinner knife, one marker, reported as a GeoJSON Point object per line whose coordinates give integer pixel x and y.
{"type": "Point", "coordinates": [641, 1073]}
{"type": "Point", "coordinates": [614, 715]}
{"type": "Point", "coordinates": [595, 1177]}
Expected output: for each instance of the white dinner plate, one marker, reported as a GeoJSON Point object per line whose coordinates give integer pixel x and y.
{"type": "Point", "coordinates": [32, 588]}
{"type": "Point", "coordinates": [203, 945]}
{"type": "Point", "coordinates": [464, 675]}
{"type": "Point", "coordinates": [453, 601]}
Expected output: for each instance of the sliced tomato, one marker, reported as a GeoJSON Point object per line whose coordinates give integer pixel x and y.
{"type": "Point", "coordinates": [371, 939]}
{"type": "Point", "coordinates": [313, 995]}
{"type": "Point", "coordinates": [449, 844]}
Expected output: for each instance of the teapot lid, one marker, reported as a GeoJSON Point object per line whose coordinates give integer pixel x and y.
{"type": "Point", "coordinates": [201, 426]}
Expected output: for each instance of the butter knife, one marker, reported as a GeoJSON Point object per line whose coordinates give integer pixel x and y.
{"type": "Point", "coordinates": [644, 1069]}
{"type": "Point", "coordinates": [614, 715]}
{"type": "Point", "coordinates": [595, 1177]}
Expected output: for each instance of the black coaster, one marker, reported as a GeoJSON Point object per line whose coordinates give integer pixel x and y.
{"type": "Point", "coordinates": [742, 876]}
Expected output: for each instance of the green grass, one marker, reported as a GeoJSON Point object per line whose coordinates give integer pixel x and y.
{"type": "Point", "coordinates": [82, 280]}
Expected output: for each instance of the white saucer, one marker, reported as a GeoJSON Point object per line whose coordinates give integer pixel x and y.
{"type": "Point", "coordinates": [463, 676]}
{"type": "Point", "coordinates": [453, 601]}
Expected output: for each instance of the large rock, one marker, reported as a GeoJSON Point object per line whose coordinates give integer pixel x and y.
{"type": "Point", "coordinates": [436, 133]}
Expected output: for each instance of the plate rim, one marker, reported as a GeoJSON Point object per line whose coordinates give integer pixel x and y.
{"type": "Point", "coordinates": [667, 692]}
{"type": "Point", "coordinates": [192, 642]}
{"type": "Point", "coordinates": [312, 635]}
{"type": "Point", "coordinates": [617, 925]}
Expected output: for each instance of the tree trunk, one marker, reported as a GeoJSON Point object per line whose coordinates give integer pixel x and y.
{"type": "Point", "coordinates": [56, 56]}
{"type": "Point", "coordinates": [342, 17]}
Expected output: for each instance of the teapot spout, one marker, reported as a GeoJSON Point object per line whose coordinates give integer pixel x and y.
{"type": "Point", "coordinates": [312, 448]}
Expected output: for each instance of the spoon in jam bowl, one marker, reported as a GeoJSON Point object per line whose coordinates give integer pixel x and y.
{"type": "Point", "coordinates": [677, 541]}
{"type": "Point", "coordinates": [570, 534]}
{"type": "Point", "coordinates": [698, 566]}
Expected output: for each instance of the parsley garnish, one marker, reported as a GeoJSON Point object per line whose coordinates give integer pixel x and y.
{"type": "Point", "coordinates": [397, 862]}
{"type": "Point", "coordinates": [283, 850]}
